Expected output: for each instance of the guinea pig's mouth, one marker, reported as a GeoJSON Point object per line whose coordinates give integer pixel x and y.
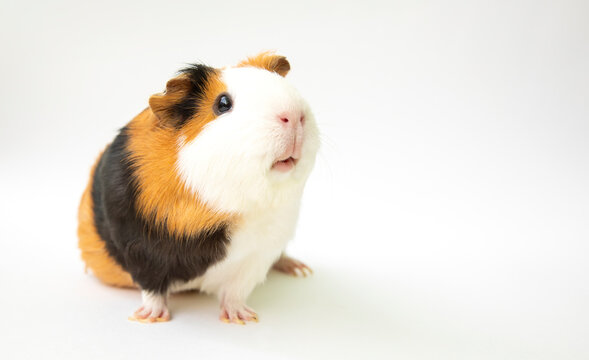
{"type": "Point", "coordinates": [285, 165]}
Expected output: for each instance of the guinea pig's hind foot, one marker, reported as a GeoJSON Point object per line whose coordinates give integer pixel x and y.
{"type": "Point", "coordinates": [291, 266]}
{"type": "Point", "coordinates": [154, 309]}
{"type": "Point", "coordinates": [237, 314]}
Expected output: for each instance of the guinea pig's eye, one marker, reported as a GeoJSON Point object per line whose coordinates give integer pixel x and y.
{"type": "Point", "coordinates": [223, 104]}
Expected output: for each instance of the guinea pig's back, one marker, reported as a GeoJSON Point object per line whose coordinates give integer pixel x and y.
{"type": "Point", "coordinates": [94, 252]}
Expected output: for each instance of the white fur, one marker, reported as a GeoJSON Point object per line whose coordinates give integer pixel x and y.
{"type": "Point", "coordinates": [228, 165]}
{"type": "Point", "coordinates": [154, 306]}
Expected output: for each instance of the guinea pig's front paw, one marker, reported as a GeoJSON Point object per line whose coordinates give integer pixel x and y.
{"type": "Point", "coordinates": [237, 313]}
{"type": "Point", "coordinates": [291, 266]}
{"type": "Point", "coordinates": [154, 309]}
{"type": "Point", "coordinates": [149, 315]}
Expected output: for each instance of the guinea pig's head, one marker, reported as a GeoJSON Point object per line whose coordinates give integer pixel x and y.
{"type": "Point", "coordinates": [245, 137]}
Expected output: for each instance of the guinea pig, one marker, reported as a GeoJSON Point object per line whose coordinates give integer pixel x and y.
{"type": "Point", "coordinates": [202, 189]}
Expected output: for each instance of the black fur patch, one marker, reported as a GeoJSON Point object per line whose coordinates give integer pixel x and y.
{"type": "Point", "coordinates": [185, 109]}
{"type": "Point", "coordinates": [153, 257]}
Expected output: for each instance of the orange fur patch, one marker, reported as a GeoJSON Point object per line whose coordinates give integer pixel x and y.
{"type": "Point", "coordinates": [162, 196]}
{"type": "Point", "coordinates": [93, 248]}
{"type": "Point", "coordinates": [268, 61]}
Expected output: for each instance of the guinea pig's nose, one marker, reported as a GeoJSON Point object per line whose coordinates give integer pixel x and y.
{"type": "Point", "coordinates": [292, 119]}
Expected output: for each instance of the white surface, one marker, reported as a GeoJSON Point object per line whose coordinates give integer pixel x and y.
{"type": "Point", "coordinates": [446, 219]}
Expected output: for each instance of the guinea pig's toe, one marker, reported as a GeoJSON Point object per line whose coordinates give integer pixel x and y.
{"type": "Point", "coordinates": [292, 267]}
{"type": "Point", "coordinates": [237, 315]}
{"type": "Point", "coordinates": [163, 316]}
{"type": "Point", "coordinates": [150, 315]}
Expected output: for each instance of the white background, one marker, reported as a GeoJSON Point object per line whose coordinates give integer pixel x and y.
{"type": "Point", "coordinates": [447, 217]}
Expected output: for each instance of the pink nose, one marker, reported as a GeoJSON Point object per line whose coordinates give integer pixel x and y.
{"type": "Point", "coordinates": [289, 118]}
{"type": "Point", "coordinates": [293, 133]}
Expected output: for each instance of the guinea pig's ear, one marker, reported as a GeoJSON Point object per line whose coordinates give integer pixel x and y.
{"type": "Point", "coordinates": [163, 105]}
{"type": "Point", "coordinates": [269, 61]}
